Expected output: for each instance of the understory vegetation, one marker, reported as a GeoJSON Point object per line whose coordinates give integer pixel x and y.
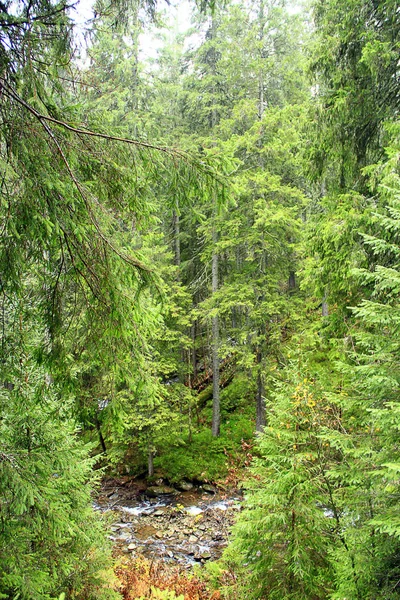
{"type": "Point", "coordinates": [199, 280]}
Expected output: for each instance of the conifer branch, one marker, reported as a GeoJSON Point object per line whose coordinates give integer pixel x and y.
{"type": "Point", "coordinates": [43, 121]}
{"type": "Point", "coordinates": [171, 152]}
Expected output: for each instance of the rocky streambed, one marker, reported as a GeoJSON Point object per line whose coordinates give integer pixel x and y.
{"type": "Point", "coordinates": [185, 526]}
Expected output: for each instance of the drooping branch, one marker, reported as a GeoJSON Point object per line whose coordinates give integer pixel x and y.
{"type": "Point", "coordinates": [45, 19]}
{"type": "Point", "coordinates": [43, 121]}
{"type": "Point", "coordinates": [171, 152]}
{"type": "Point", "coordinates": [128, 259]}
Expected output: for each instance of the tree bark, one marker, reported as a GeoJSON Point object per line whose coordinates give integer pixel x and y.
{"type": "Point", "coordinates": [177, 241]}
{"type": "Point", "coordinates": [150, 462]}
{"type": "Point", "coordinates": [101, 438]}
{"type": "Point", "coordinates": [260, 400]}
{"type": "Point", "coordinates": [216, 417]}
{"type": "Point", "coordinates": [325, 307]}
{"type": "Point", "coordinates": [194, 351]}
{"type": "Point", "coordinates": [261, 25]}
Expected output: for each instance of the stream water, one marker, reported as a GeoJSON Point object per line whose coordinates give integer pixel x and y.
{"type": "Point", "coordinates": [184, 527]}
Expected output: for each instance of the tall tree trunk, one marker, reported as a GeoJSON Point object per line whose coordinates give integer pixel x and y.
{"type": "Point", "coordinates": [216, 418]}
{"type": "Point", "coordinates": [260, 406]}
{"type": "Point", "coordinates": [150, 462]}
{"type": "Point", "coordinates": [261, 26]}
{"type": "Point", "coordinates": [177, 258]}
{"type": "Point", "coordinates": [177, 240]}
{"type": "Point", "coordinates": [135, 29]}
{"type": "Point", "coordinates": [194, 350]}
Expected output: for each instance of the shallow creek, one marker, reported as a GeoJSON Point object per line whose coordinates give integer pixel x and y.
{"type": "Point", "coordinates": [184, 527]}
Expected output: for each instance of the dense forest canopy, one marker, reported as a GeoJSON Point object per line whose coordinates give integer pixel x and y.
{"type": "Point", "coordinates": [199, 256]}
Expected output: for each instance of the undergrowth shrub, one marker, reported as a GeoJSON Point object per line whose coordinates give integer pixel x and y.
{"type": "Point", "coordinates": [144, 580]}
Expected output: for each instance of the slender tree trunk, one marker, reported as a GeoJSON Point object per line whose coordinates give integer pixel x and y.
{"type": "Point", "coordinates": [150, 462]}
{"type": "Point", "coordinates": [194, 352]}
{"type": "Point", "coordinates": [260, 94]}
{"type": "Point", "coordinates": [135, 32]}
{"type": "Point", "coordinates": [101, 438]}
{"type": "Point", "coordinates": [325, 307]}
{"type": "Point", "coordinates": [233, 317]}
{"type": "Point", "coordinates": [177, 240]}
{"type": "Point", "coordinates": [261, 26]}
{"type": "Point", "coordinates": [260, 400]}
{"type": "Point", "coordinates": [216, 418]}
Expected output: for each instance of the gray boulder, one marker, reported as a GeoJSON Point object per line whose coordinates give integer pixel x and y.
{"type": "Point", "coordinates": [185, 486]}
{"type": "Point", "coordinates": [159, 490]}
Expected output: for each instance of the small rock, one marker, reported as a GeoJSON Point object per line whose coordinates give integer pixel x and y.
{"type": "Point", "coordinates": [210, 489]}
{"type": "Point", "coordinates": [158, 513]}
{"type": "Point", "coordinates": [132, 547]}
{"type": "Point", "coordinates": [184, 485]}
{"type": "Point", "coordinates": [192, 539]}
{"type": "Point", "coordinates": [170, 554]}
{"type": "Point", "coordinates": [159, 534]}
{"type": "Point", "coordinates": [159, 490]}
{"type": "Point", "coordinates": [194, 511]}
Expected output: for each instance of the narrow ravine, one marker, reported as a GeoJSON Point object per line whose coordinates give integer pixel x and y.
{"type": "Point", "coordinates": [175, 526]}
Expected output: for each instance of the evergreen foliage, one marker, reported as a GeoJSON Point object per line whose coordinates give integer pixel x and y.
{"type": "Point", "coordinates": [158, 305]}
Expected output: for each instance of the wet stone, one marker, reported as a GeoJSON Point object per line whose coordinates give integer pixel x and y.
{"type": "Point", "coordinates": [185, 486]}
{"type": "Point", "coordinates": [159, 490]}
{"type": "Point", "coordinates": [210, 489]}
{"type": "Point", "coordinates": [204, 554]}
